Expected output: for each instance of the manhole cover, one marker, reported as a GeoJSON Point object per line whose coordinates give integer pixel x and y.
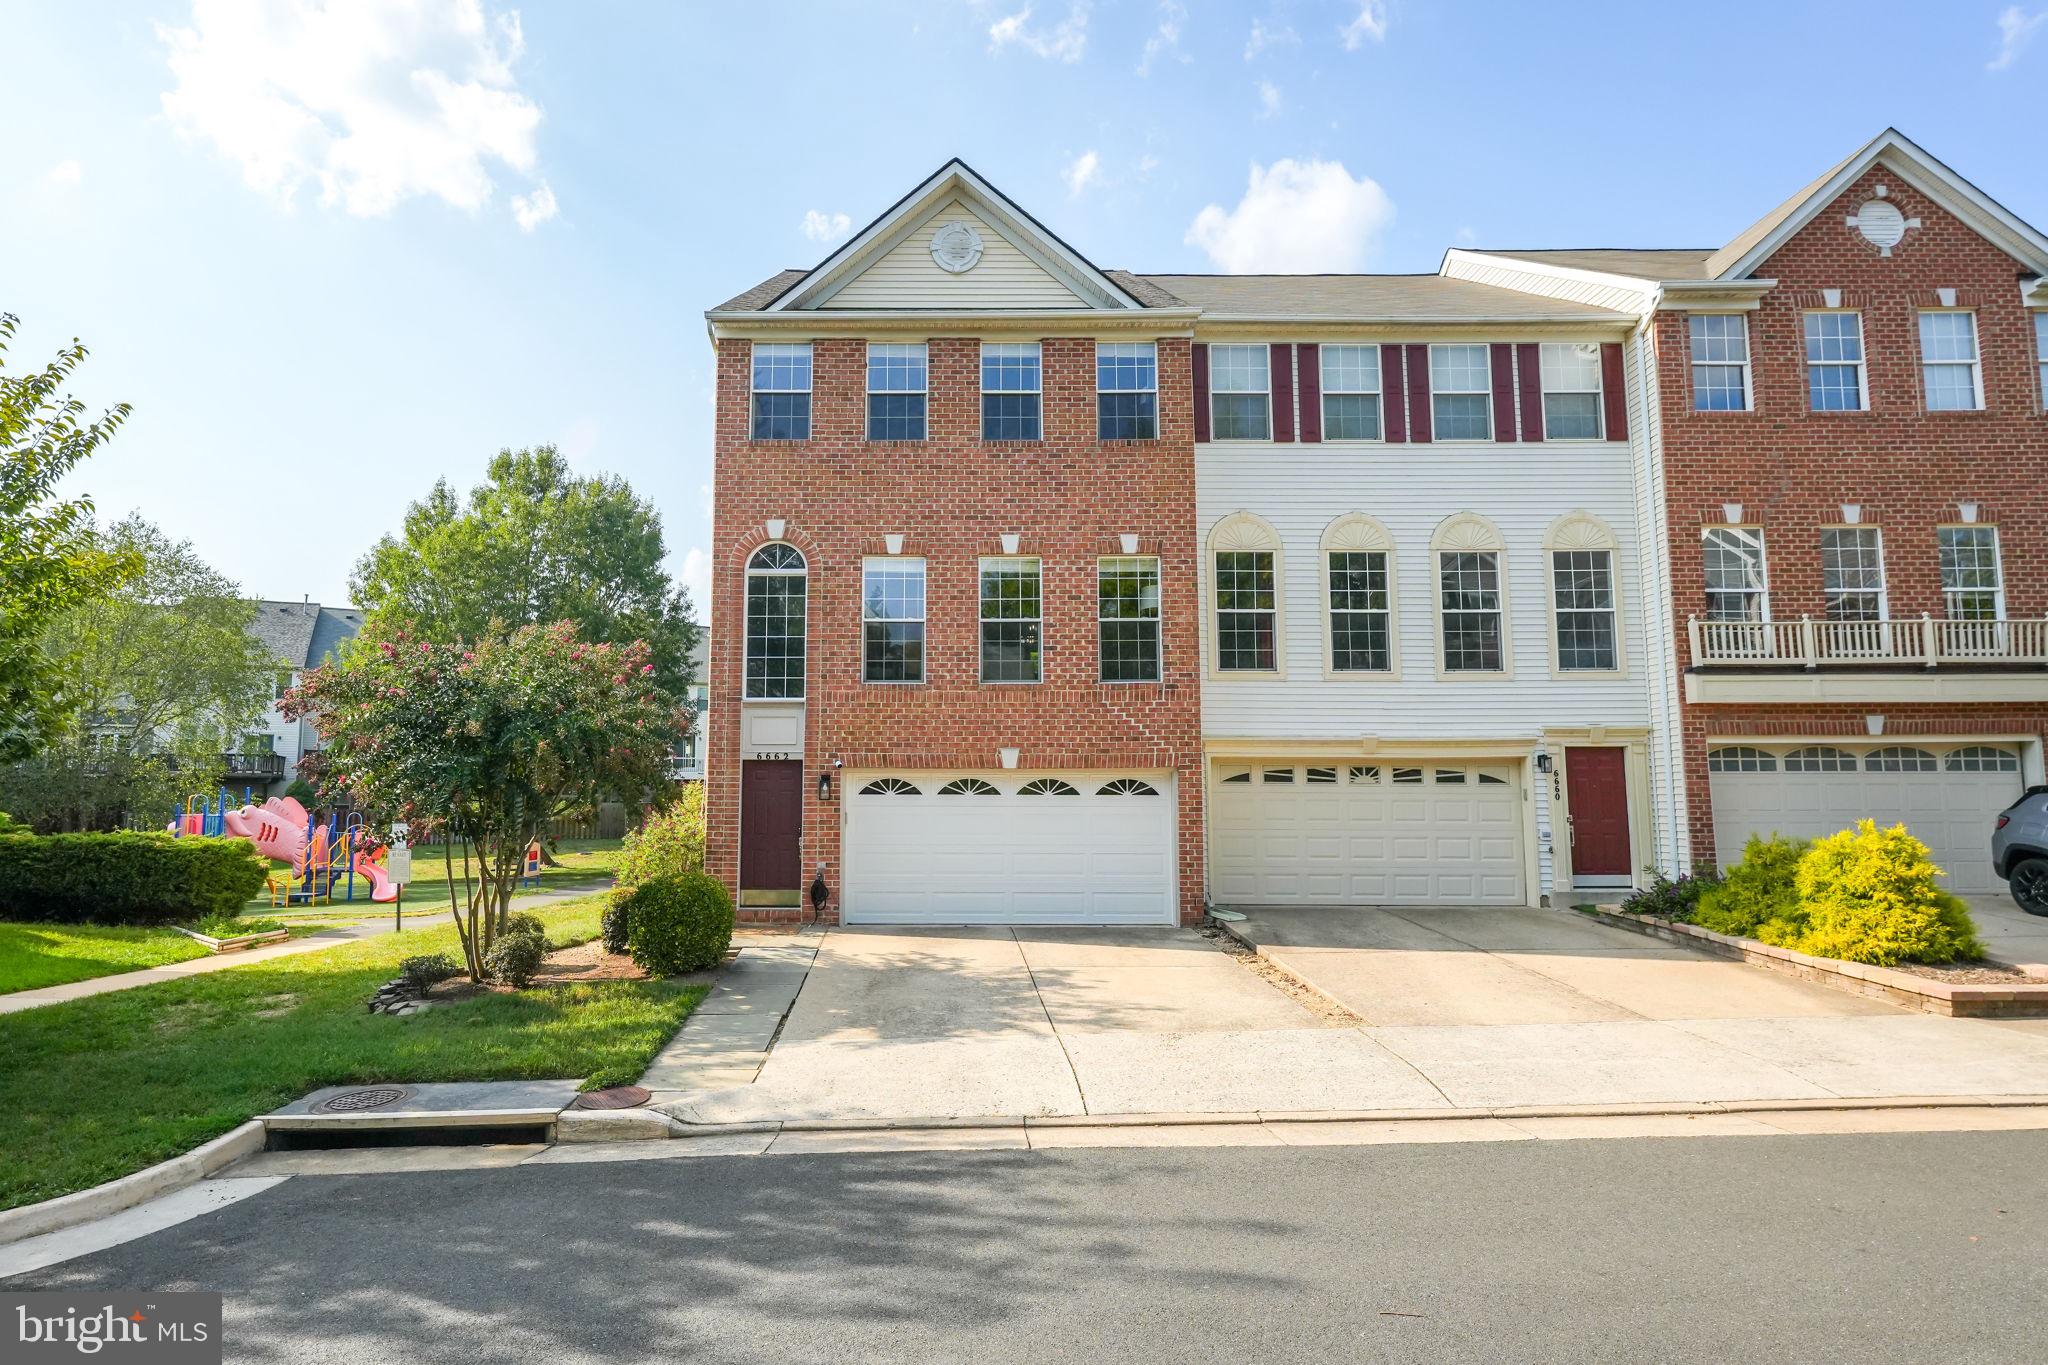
{"type": "Point", "coordinates": [618, 1097]}
{"type": "Point", "coordinates": [358, 1101]}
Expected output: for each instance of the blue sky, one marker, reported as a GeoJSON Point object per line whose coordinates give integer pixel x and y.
{"type": "Point", "coordinates": [333, 249]}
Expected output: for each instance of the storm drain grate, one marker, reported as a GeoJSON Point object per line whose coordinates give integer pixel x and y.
{"type": "Point", "coordinates": [364, 1100]}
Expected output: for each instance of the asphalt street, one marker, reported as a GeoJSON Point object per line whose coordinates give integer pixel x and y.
{"type": "Point", "coordinates": [1893, 1247]}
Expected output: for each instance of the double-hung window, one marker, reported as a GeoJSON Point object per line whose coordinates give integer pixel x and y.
{"type": "Point", "coordinates": [1011, 611]}
{"type": "Point", "coordinates": [1240, 393]}
{"type": "Point", "coordinates": [1126, 391]}
{"type": "Point", "coordinates": [1361, 635]}
{"type": "Point", "coordinates": [781, 391]}
{"type": "Point", "coordinates": [1852, 573]}
{"type": "Point", "coordinates": [1720, 362]}
{"type": "Point", "coordinates": [892, 620]}
{"type": "Point", "coordinates": [1244, 611]}
{"type": "Point", "coordinates": [1127, 618]}
{"type": "Point", "coordinates": [1948, 362]}
{"type": "Point", "coordinates": [1972, 587]}
{"type": "Point", "coordinates": [775, 623]}
{"type": "Point", "coordinates": [1732, 558]}
{"type": "Point", "coordinates": [896, 391]}
{"type": "Point", "coordinates": [1468, 583]}
{"type": "Point", "coordinates": [1461, 393]}
{"type": "Point", "coordinates": [1571, 390]}
{"type": "Point", "coordinates": [1351, 393]}
{"type": "Point", "coordinates": [1834, 362]}
{"type": "Point", "coordinates": [2041, 353]}
{"type": "Point", "coordinates": [1010, 391]}
{"type": "Point", "coordinates": [1582, 586]}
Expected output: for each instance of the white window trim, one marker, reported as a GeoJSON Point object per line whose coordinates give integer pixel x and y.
{"type": "Point", "coordinates": [1324, 392]}
{"type": "Point", "coordinates": [2039, 320]}
{"type": "Point", "coordinates": [1581, 530]}
{"type": "Point", "coordinates": [980, 658]}
{"type": "Point", "coordinates": [1357, 533]}
{"type": "Point", "coordinates": [1976, 363]}
{"type": "Point", "coordinates": [925, 652]}
{"type": "Point", "coordinates": [1763, 566]}
{"type": "Point", "coordinates": [1862, 365]}
{"type": "Point", "coordinates": [1997, 562]}
{"type": "Point", "coordinates": [1158, 622]}
{"type": "Point", "coordinates": [1153, 346]}
{"type": "Point", "coordinates": [746, 636]}
{"type": "Point", "coordinates": [1467, 533]}
{"type": "Point", "coordinates": [1884, 577]}
{"type": "Point", "coordinates": [1266, 393]}
{"type": "Point", "coordinates": [981, 378]}
{"type": "Point", "coordinates": [1599, 392]}
{"type": "Point", "coordinates": [1692, 365]}
{"type": "Point", "coordinates": [1435, 427]}
{"type": "Point", "coordinates": [867, 421]}
{"type": "Point", "coordinates": [810, 381]}
{"type": "Point", "coordinates": [1243, 531]}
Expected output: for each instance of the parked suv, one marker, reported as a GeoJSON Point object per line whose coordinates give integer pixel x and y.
{"type": "Point", "coordinates": [2019, 850]}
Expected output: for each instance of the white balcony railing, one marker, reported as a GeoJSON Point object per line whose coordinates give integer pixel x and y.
{"type": "Point", "coordinates": [1925, 641]}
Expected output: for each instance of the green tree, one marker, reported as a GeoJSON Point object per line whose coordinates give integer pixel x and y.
{"type": "Point", "coordinates": [487, 743]}
{"type": "Point", "coordinates": [533, 544]}
{"type": "Point", "coordinates": [49, 562]}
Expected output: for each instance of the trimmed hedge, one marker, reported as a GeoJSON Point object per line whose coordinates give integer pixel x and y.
{"type": "Point", "coordinates": [679, 924]}
{"type": "Point", "coordinates": [125, 878]}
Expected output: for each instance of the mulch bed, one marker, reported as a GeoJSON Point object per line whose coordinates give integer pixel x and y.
{"type": "Point", "coordinates": [1985, 973]}
{"type": "Point", "coordinates": [563, 967]}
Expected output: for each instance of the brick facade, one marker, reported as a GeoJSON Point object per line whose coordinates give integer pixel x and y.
{"type": "Point", "coordinates": [1069, 497]}
{"type": "Point", "coordinates": [1793, 468]}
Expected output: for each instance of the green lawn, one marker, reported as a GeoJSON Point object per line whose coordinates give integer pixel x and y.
{"type": "Point", "coordinates": [96, 1088]}
{"type": "Point", "coordinates": [586, 865]}
{"type": "Point", "coordinates": [34, 955]}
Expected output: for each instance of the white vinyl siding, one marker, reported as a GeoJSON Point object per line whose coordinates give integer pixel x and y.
{"type": "Point", "coordinates": [907, 276]}
{"type": "Point", "coordinates": [1951, 377]}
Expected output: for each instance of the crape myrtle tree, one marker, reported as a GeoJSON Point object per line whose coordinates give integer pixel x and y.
{"type": "Point", "coordinates": [486, 742]}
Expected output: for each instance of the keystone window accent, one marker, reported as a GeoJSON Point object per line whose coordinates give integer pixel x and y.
{"type": "Point", "coordinates": [1351, 393]}
{"type": "Point", "coordinates": [1127, 618]}
{"type": "Point", "coordinates": [782, 392]}
{"type": "Point", "coordinates": [896, 391]}
{"type": "Point", "coordinates": [1852, 573]}
{"type": "Point", "coordinates": [775, 624]}
{"type": "Point", "coordinates": [1244, 611]}
{"type": "Point", "coordinates": [1834, 362]}
{"type": "Point", "coordinates": [1720, 362]}
{"type": "Point", "coordinates": [1469, 595]}
{"type": "Point", "coordinates": [1240, 393]}
{"type": "Point", "coordinates": [1948, 362]}
{"type": "Point", "coordinates": [892, 620]}
{"type": "Point", "coordinates": [1461, 393]}
{"type": "Point", "coordinates": [1010, 621]}
{"type": "Point", "coordinates": [1361, 636]}
{"type": "Point", "coordinates": [1733, 560]}
{"type": "Point", "coordinates": [1972, 587]}
{"type": "Point", "coordinates": [1126, 391]}
{"type": "Point", "coordinates": [1571, 390]}
{"type": "Point", "coordinates": [1010, 391]}
{"type": "Point", "coordinates": [1582, 584]}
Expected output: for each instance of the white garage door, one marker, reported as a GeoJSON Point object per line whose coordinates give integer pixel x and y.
{"type": "Point", "coordinates": [1367, 834]}
{"type": "Point", "coordinates": [1949, 797]}
{"type": "Point", "coordinates": [1010, 848]}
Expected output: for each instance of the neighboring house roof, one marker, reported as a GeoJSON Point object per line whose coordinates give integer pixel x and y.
{"type": "Point", "coordinates": [1655, 263]}
{"type": "Point", "coordinates": [304, 633]}
{"type": "Point", "coordinates": [336, 624]}
{"type": "Point", "coordinates": [762, 294]}
{"type": "Point", "coordinates": [1389, 298]}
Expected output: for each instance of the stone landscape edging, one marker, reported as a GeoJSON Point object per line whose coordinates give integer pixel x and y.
{"type": "Point", "coordinates": [238, 942]}
{"type": "Point", "coordinates": [1962, 1000]}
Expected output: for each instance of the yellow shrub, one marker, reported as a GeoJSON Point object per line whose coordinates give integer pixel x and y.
{"type": "Point", "coordinates": [1869, 895]}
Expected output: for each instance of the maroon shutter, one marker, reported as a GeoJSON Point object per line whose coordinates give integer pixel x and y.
{"type": "Point", "coordinates": [1394, 392]}
{"type": "Point", "coordinates": [1503, 357]}
{"type": "Point", "coordinates": [1530, 359]}
{"type": "Point", "coordinates": [1311, 386]}
{"type": "Point", "coordinates": [1614, 391]}
{"type": "Point", "coordinates": [1418, 393]}
{"type": "Point", "coordinates": [1201, 367]}
{"type": "Point", "coordinates": [1282, 360]}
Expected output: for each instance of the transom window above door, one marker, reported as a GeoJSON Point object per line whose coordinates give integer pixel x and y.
{"type": "Point", "coordinates": [775, 623]}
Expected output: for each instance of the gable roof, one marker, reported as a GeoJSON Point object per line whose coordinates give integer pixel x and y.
{"type": "Point", "coordinates": [303, 633]}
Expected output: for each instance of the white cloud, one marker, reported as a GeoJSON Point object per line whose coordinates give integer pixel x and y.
{"type": "Point", "coordinates": [1165, 39]}
{"type": "Point", "coordinates": [1263, 38]}
{"type": "Point", "coordinates": [1295, 216]}
{"type": "Point", "coordinates": [1370, 23]}
{"type": "Point", "coordinates": [372, 101]}
{"type": "Point", "coordinates": [2016, 28]}
{"type": "Point", "coordinates": [1466, 236]}
{"type": "Point", "coordinates": [696, 577]}
{"type": "Point", "coordinates": [1083, 171]}
{"type": "Point", "coordinates": [1147, 164]}
{"type": "Point", "coordinates": [534, 209]}
{"type": "Point", "coordinates": [1064, 41]}
{"type": "Point", "coordinates": [66, 173]}
{"type": "Point", "coordinates": [579, 442]}
{"type": "Point", "coordinates": [826, 227]}
{"type": "Point", "coordinates": [1269, 99]}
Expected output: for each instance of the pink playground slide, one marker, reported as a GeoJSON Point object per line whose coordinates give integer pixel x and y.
{"type": "Point", "coordinates": [277, 828]}
{"type": "Point", "coordinates": [382, 888]}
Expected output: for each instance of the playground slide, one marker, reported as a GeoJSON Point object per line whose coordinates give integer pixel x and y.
{"type": "Point", "coordinates": [382, 888]}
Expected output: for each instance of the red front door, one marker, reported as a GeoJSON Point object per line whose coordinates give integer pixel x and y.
{"type": "Point", "coordinates": [771, 824]}
{"type": "Point", "coordinates": [1596, 787]}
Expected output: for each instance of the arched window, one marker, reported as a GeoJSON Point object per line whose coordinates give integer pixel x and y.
{"type": "Point", "coordinates": [1244, 583]}
{"type": "Point", "coordinates": [968, 786]}
{"type": "Point", "coordinates": [889, 786]}
{"type": "Point", "coordinates": [1740, 758]}
{"type": "Point", "coordinates": [1898, 758]}
{"type": "Point", "coordinates": [1585, 622]}
{"type": "Point", "coordinates": [1471, 596]}
{"type": "Point", "coordinates": [1981, 758]}
{"type": "Point", "coordinates": [1127, 786]}
{"type": "Point", "coordinates": [1047, 786]}
{"type": "Point", "coordinates": [1358, 568]}
{"type": "Point", "coordinates": [775, 624]}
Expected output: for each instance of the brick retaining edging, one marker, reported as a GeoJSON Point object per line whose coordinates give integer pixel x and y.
{"type": "Point", "coordinates": [1922, 993]}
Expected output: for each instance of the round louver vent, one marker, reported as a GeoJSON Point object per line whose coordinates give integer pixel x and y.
{"type": "Point", "coordinates": [1881, 224]}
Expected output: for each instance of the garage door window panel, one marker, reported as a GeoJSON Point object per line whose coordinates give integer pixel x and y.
{"type": "Point", "coordinates": [775, 624]}
{"type": "Point", "coordinates": [890, 786]}
{"type": "Point", "coordinates": [1011, 608]}
{"type": "Point", "coordinates": [1740, 759]}
{"type": "Point", "coordinates": [1899, 759]}
{"type": "Point", "coordinates": [1820, 759]}
{"type": "Point", "coordinates": [1981, 758]}
{"type": "Point", "coordinates": [968, 786]}
{"type": "Point", "coordinates": [1048, 786]}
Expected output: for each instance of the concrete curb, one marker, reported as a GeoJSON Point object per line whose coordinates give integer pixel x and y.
{"type": "Point", "coordinates": [52, 1215]}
